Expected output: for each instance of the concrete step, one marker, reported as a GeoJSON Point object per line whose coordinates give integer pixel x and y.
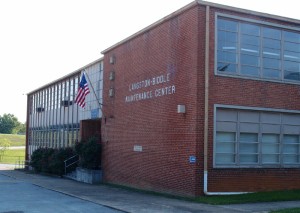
{"type": "Point", "coordinates": [72, 175]}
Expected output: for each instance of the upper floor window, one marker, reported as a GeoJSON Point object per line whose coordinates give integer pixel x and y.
{"type": "Point", "coordinates": [257, 51]}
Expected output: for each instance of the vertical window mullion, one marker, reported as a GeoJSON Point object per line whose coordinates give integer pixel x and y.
{"type": "Point", "coordinates": [261, 54]}
{"type": "Point", "coordinates": [237, 155]}
{"type": "Point", "coordinates": [238, 54]}
{"type": "Point", "coordinates": [281, 143]}
{"type": "Point", "coordinates": [259, 150]}
{"type": "Point", "coordinates": [281, 56]}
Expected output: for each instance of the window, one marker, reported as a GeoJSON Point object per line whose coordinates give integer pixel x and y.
{"type": "Point", "coordinates": [245, 138]}
{"type": "Point", "coordinates": [257, 51]}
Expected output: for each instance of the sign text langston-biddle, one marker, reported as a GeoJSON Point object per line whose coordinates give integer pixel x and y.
{"type": "Point", "coordinates": [149, 94]}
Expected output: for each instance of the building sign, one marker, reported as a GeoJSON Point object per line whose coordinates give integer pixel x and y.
{"type": "Point", "coordinates": [165, 88]}
{"type": "Point", "coordinates": [192, 159]}
{"type": "Point", "coordinates": [94, 113]}
{"type": "Point", "coordinates": [137, 148]}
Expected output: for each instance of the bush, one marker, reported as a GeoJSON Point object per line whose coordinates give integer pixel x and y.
{"type": "Point", "coordinates": [40, 159]}
{"type": "Point", "coordinates": [56, 164]}
{"type": "Point", "coordinates": [89, 153]}
{"type": "Point", "coordinates": [50, 160]}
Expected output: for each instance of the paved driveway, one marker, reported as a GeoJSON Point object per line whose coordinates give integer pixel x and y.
{"type": "Point", "coordinates": [27, 192]}
{"type": "Point", "coordinates": [18, 197]}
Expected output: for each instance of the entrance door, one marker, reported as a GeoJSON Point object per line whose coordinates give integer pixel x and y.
{"type": "Point", "coordinates": [90, 128]}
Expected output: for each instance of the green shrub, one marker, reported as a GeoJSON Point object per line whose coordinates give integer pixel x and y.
{"type": "Point", "coordinates": [50, 160]}
{"type": "Point", "coordinates": [89, 153]}
{"type": "Point", "coordinates": [56, 164]}
{"type": "Point", "coordinates": [40, 159]}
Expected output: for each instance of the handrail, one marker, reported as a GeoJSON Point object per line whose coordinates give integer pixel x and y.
{"type": "Point", "coordinates": [72, 163]}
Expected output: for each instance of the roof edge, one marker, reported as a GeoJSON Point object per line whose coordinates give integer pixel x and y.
{"type": "Point", "coordinates": [205, 3]}
{"type": "Point", "coordinates": [246, 11]}
{"type": "Point", "coordinates": [66, 76]}
{"type": "Point", "coordinates": [166, 18]}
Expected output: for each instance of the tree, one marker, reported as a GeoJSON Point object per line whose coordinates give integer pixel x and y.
{"type": "Point", "coordinates": [21, 129]}
{"type": "Point", "coordinates": [8, 124]}
{"type": "Point", "coordinates": [4, 145]}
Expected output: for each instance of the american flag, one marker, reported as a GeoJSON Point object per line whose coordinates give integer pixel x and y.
{"type": "Point", "coordinates": [83, 90]}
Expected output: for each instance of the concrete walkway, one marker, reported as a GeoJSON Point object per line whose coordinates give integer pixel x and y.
{"type": "Point", "coordinates": [14, 147]}
{"type": "Point", "coordinates": [135, 202]}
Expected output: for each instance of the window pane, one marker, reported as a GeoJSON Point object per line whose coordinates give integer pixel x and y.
{"type": "Point", "coordinates": [250, 29]}
{"type": "Point", "coordinates": [226, 67]}
{"type": "Point", "coordinates": [227, 57]}
{"type": "Point", "coordinates": [271, 53]}
{"type": "Point", "coordinates": [271, 73]}
{"type": "Point", "coordinates": [227, 25]}
{"type": "Point", "coordinates": [271, 63]}
{"type": "Point", "coordinates": [227, 46]}
{"type": "Point", "coordinates": [294, 47]}
{"type": "Point", "coordinates": [290, 159]}
{"type": "Point", "coordinates": [291, 36]}
{"type": "Point", "coordinates": [271, 43]}
{"type": "Point", "coordinates": [270, 138]}
{"type": "Point", "coordinates": [250, 60]}
{"type": "Point", "coordinates": [270, 144]}
{"type": "Point", "coordinates": [253, 40]}
{"type": "Point", "coordinates": [225, 159]}
{"type": "Point", "coordinates": [292, 66]}
{"type": "Point", "coordinates": [225, 136]}
{"type": "Point", "coordinates": [271, 33]}
{"type": "Point", "coordinates": [291, 149]}
{"type": "Point", "coordinates": [248, 159]}
{"type": "Point", "coordinates": [248, 148]}
{"type": "Point", "coordinates": [250, 49]}
{"type": "Point", "coordinates": [248, 137]}
{"type": "Point", "coordinates": [270, 159]}
{"type": "Point", "coordinates": [247, 70]}
{"type": "Point", "coordinates": [270, 148]}
{"type": "Point", "coordinates": [291, 56]}
{"type": "Point", "coordinates": [225, 147]}
{"type": "Point", "coordinates": [292, 75]}
{"type": "Point", "coordinates": [227, 36]}
{"type": "Point", "coordinates": [291, 139]}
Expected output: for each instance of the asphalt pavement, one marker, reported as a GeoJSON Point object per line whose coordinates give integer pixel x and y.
{"type": "Point", "coordinates": [108, 199]}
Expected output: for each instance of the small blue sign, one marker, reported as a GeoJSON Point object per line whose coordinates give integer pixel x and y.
{"type": "Point", "coordinates": [94, 113]}
{"type": "Point", "coordinates": [192, 159]}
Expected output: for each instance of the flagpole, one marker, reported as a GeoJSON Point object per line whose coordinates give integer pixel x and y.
{"type": "Point", "coordinates": [100, 107]}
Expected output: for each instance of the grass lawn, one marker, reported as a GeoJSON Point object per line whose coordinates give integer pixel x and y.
{"type": "Point", "coordinates": [12, 156]}
{"type": "Point", "coordinates": [15, 140]}
{"type": "Point", "coordinates": [273, 196]}
{"type": "Point", "coordinates": [251, 197]}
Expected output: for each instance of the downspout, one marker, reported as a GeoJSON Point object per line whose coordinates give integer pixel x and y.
{"type": "Point", "coordinates": [206, 91]}
{"type": "Point", "coordinates": [206, 107]}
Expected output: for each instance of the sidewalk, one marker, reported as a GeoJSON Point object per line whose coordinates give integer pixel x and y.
{"type": "Point", "coordinates": [135, 202]}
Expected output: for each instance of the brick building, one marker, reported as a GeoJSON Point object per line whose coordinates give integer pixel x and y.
{"type": "Point", "coordinates": [204, 101]}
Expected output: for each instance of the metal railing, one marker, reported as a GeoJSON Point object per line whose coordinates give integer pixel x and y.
{"type": "Point", "coordinates": [22, 164]}
{"type": "Point", "coordinates": [70, 162]}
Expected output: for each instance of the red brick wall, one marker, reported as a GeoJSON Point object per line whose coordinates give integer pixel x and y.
{"type": "Point", "coordinates": [167, 138]}
{"type": "Point", "coordinates": [176, 48]}
{"type": "Point", "coordinates": [254, 93]}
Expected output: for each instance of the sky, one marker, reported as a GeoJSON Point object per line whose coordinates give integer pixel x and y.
{"type": "Point", "coordinates": [43, 40]}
